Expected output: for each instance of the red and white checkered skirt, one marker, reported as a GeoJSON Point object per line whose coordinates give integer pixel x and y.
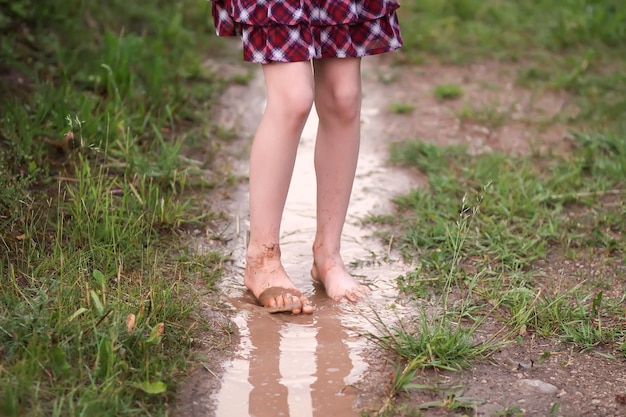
{"type": "Point", "coordinates": [301, 30]}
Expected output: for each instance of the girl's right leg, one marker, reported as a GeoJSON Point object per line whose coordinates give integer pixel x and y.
{"type": "Point", "coordinates": [290, 90]}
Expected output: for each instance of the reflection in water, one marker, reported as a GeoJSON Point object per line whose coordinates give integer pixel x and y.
{"type": "Point", "coordinates": [297, 366]}
{"type": "Point", "coordinates": [293, 366]}
{"type": "Point", "coordinates": [333, 367]}
{"type": "Point", "coordinates": [269, 394]}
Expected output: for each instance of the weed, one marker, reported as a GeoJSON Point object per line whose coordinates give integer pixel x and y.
{"type": "Point", "coordinates": [448, 91]}
{"type": "Point", "coordinates": [509, 30]}
{"type": "Point", "coordinates": [402, 108]}
{"type": "Point", "coordinates": [491, 115]}
{"type": "Point", "coordinates": [435, 342]}
{"type": "Point", "coordinates": [454, 403]}
{"type": "Point", "coordinates": [490, 245]}
{"type": "Point", "coordinates": [554, 410]}
{"type": "Point", "coordinates": [457, 258]}
{"type": "Point", "coordinates": [438, 339]}
{"type": "Point", "coordinates": [514, 411]}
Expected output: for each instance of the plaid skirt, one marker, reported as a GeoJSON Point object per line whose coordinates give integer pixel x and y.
{"type": "Point", "coordinates": [302, 30]}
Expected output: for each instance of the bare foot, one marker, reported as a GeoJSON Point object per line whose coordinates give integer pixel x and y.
{"type": "Point", "coordinates": [339, 284]}
{"type": "Point", "coordinates": [268, 281]}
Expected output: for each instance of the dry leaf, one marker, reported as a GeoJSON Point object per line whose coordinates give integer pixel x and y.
{"type": "Point", "coordinates": [130, 323]}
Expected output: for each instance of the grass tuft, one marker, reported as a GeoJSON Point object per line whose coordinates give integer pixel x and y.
{"type": "Point", "coordinates": [448, 91]}
{"type": "Point", "coordinates": [96, 297]}
{"type": "Point", "coordinates": [402, 108]}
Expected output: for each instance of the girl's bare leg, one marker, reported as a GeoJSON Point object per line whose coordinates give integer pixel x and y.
{"type": "Point", "coordinates": [289, 101]}
{"type": "Point", "coordinates": [338, 104]}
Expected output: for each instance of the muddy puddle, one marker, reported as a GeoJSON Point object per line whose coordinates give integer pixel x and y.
{"type": "Point", "coordinates": [307, 366]}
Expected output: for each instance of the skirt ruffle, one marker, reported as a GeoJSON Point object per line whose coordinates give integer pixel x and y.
{"type": "Point", "coordinates": [294, 12]}
{"type": "Point", "coordinates": [264, 44]}
{"type": "Point", "coordinates": [302, 30]}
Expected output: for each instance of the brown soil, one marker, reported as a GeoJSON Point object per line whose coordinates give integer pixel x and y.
{"type": "Point", "coordinates": [583, 384]}
{"type": "Point", "coordinates": [492, 114]}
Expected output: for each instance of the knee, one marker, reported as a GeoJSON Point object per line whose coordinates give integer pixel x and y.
{"type": "Point", "coordinates": [293, 102]}
{"type": "Point", "coordinates": [342, 102]}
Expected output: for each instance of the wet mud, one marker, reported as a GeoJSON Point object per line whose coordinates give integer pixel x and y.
{"type": "Point", "coordinates": [310, 365]}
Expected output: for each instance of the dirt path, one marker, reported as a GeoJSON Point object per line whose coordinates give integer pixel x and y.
{"type": "Point", "coordinates": [302, 366]}
{"type": "Point", "coordinates": [280, 365]}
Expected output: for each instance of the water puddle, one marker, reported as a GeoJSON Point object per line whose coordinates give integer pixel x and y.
{"type": "Point", "coordinates": [307, 366]}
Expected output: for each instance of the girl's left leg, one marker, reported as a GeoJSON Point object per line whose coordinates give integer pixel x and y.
{"type": "Point", "coordinates": [338, 105]}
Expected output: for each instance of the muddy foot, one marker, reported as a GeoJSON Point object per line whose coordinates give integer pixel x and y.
{"type": "Point", "coordinates": [268, 281]}
{"type": "Point", "coordinates": [339, 284]}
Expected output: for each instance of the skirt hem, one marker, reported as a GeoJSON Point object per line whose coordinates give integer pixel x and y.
{"type": "Point", "coordinates": [303, 42]}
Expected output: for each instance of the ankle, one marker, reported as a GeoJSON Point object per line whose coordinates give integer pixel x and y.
{"type": "Point", "coordinates": [326, 250]}
{"type": "Point", "coordinates": [323, 261]}
{"type": "Point", "coordinates": [263, 251]}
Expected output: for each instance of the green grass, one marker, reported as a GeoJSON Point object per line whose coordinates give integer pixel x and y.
{"type": "Point", "coordinates": [444, 336]}
{"type": "Point", "coordinates": [576, 46]}
{"type": "Point", "coordinates": [491, 115]}
{"type": "Point", "coordinates": [402, 108]}
{"type": "Point", "coordinates": [513, 246]}
{"type": "Point", "coordinates": [95, 186]}
{"type": "Point", "coordinates": [527, 210]}
{"type": "Point", "coordinates": [463, 29]}
{"type": "Point", "coordinates": [448, 91]}
{"type": "Point", "coordinates": [481, 234]}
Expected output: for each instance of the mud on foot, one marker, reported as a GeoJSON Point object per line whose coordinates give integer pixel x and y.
{"type": "Point", "coordinates": [268, 281]}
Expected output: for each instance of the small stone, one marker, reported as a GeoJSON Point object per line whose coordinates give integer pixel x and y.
{"type": "Point", "coordinates": [539, 385]}
{"type": "Point", "coordinates": [596, 401]}
{"type": "Point", "coordinates": [484, 381]}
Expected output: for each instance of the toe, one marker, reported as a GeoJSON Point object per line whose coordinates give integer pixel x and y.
{"type": "Point", "coordinates": [271, 303]}
{"type": "Point", "coordinates": [341, 298]}
{"type": "Point", "coordinates": [356, 294]}
{"type": "Point", "coordinates": [280, 302]}
{"type": "Point", "coordinates": [307, 307]}
{"type": "Point", "coordinates": [363, 291]}
{"type": "Point", "coordinates": [295, 305]}
{"type": "Point", "coordinates": [352, 296]}
{"type": "Point", "coordinates": [287, 303]}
